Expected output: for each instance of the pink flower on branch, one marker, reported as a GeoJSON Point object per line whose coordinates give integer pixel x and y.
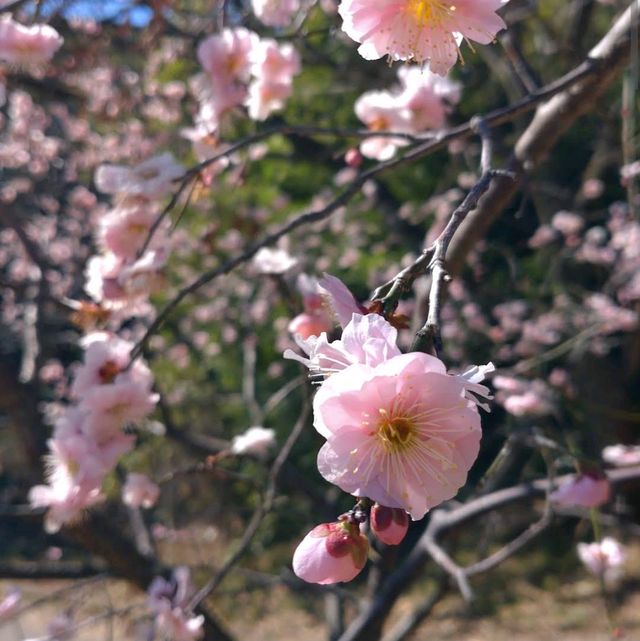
{"type": "Point", "coordinates": [331, 553]}
{"type": "Point", "coordinates": [255, 441]}
{"type": "Point", "coordinates": [584, 490]}
{"type": "Point", "coordinates": [27, 46]}
{"type": "Point", "coordinates": [369, 339]}
{"type": "Point", "coordinates": [402, 432]}
{"type": "Point", "coordinates": [341, 300]}
{"type": "Point", "coordinates": [316, 318]}
{"type": "Point", "coordinates": [420, 30]}
{"type": "Point", "coordinates": [150, 179]}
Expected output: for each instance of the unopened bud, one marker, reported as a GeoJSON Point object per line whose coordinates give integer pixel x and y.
{"type": "Point", "coordinates": [389, 524]}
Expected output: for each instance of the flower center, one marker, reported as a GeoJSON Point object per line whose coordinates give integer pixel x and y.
{"type": "Point", "coordinates": [430, 12]}
{"type": "Point", "coordinates": [378, 124]}
{"type": "Point", "coordinates": [395, 432]}
{"type": "Point", "coordinates": [137, 228]}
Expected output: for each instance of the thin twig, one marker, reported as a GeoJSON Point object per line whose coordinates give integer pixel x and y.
{"type": "Point", "coordinates": [437, 141]}
{"type": "Point", "coordinates": [263, 509]}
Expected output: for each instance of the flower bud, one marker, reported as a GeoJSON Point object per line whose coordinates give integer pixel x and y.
{"type": "Point", "coordinates": [353, 158]}
{"type": "Point", "coordinates": [389, 524]}
{"type": "Point", "coordinates": [330, 553]}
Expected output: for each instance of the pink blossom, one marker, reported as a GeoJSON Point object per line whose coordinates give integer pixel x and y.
{"type": "Point", "coordinates": [419, 30]}
{"type": "Point", "coordinates": [382, 111]}
{"type": "Point", "coordinates": [111, 407]}
{"type": "Point", "coordinates": [151, 179]}
{"type": "Point", "coordinates": [275, 13]}
{"type": "Point", "coordinates": [592, 188]}
{"type": "Point", "coordinates": [175, 591]}
{"type": "Point", "coordinates": [140, 491]}
{"type": "Point", "coordinates": [215, 99]}
{"type": "Point", "coordinates": [522, 397]}
{"type": "Point", "coordinates": [225, 56]}
{"type": "Point", "coordinates": [613, 317]}
{"type": "Point", "coordinates": [340, 299]}
{"type": "Point", "coordinates": [316, 318]}
{"type": "Point", "coordinates": [273, 67]}
{"type": "Point", "coordinates": [584, 490]}
{"type": "Point", "coordinates": [568, 223]}
{"type": "Point", "coordinates": [106, 361]}
{"type": "Point", "coordinates": [27, 46]}
{"type": "Point", "coordinates": [273, 261]}
{"type": "Point", "coordinates": [622, 455]}
{"type": "Point", "coordinates": [256, 440]}
{"type": "Point", "coordinates": [629, 171]}
{"type": "Point", "coordinates": [64, 497]}
{"type": "Point", "coordinates": [604, 559]}
{"type": "Point", "coordinates": [206, 146]}
{"type": "Point", "coordinates": [309, 288]}
{"type": "Point", "coordinates": [265, 97]}
{"type": "Point", "coordinates": [124, 230]}
{"type": "Point", "coordinates": [369, 340]}
{"type": "Point", "coordinates": [426, 96]}
{"type": "Point", "coordinates": [389, 524]}
{"type": "Point", "coordinates": [543, 236]}
{"type": "Point", "coordinates": [273, 62]}
{"type": "Point", "coordinates": [331, 553]}
{"type": "Point", "coordinates": [75, 470]}
{"type": "Point", "coordinates": [403, 432]}
{"type": "Point", "coordinates": [101, 279]}
{"type": "Point", "coordinates": [527, 404]}
{"type": "Point", "coordinates": [9, 605]}
{"type": "Point", "coordinates": [145, 275]}
{"type": "Point", "coordinates": [307, 325]}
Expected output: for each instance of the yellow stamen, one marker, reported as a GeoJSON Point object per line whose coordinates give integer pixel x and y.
{"type": "Point", "coordinates": [430, 12]}
{"type": "Point", "coordinates": [395, 432]}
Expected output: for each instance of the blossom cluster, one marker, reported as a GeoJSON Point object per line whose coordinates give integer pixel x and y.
{"type": "Point", "coordinates": [242, 69]}
{"type": "Point", "coordinates": [419, 104]}
{"type": "Point", "coordinates": [109, 394]}
{"type": "Point", "coordinates": [121, 278]}
{"type": "Point", "coordinates": [399, 429]}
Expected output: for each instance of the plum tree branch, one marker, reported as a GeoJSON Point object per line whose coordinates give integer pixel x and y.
{"type": "Point", "coordinates": [444, 519]}
{"type": "Point", "coordinates": [436, 142]}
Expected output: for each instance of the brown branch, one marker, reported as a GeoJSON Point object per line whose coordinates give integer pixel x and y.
{"type": "Point", "coordinates": [96, 534]}
{"type": "Point", "coordinates": [442, 520]}
{"type": "Point", "coordinates": [411, 621]}
{"type": "Point", "coordinates": [36, 570]}
{"type": "Point", "coordinates": [603, 65]}
{"type": "Point", "coordinates": [436, 142]}
{"type": "Point", "coordinates": [428, 338]}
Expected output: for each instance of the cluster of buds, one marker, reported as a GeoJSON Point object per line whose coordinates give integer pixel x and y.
{"type": "Point", "coordinates": [335, 552]}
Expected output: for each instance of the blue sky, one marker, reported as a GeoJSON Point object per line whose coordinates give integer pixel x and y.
{"type": "Point", "coordinates": [138, 16]}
